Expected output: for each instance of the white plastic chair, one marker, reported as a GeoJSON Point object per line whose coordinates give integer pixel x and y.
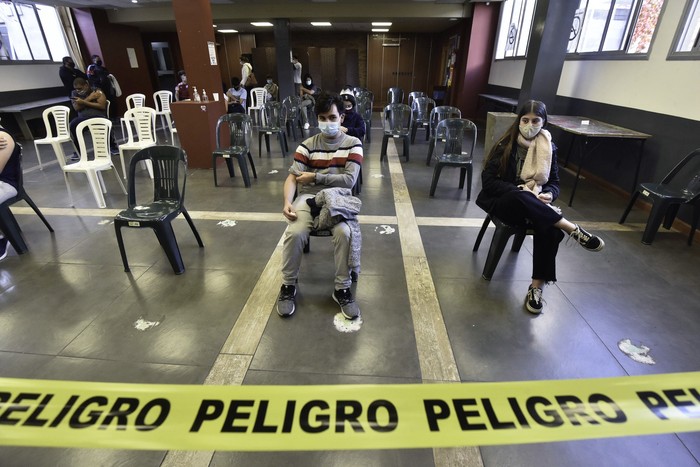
{"type": "Point", "coordinates": [257, 100]}
{"type": "Point", "coordinates": [60, 117]}
{"type": "Point", "coordinates": [132, 101]}
{"type": "Point", "coordinates": [162, 100]}
{"type": "Point", "coordinates": [100, 130]}
{"type": "Point", "coordinates": [144, 119]}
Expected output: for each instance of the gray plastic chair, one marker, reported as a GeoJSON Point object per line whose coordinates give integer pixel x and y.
{"type": "Point", "coordinates": [396, 121]}
{"type": "Point", "coordinates": [420, 116]}
{"type": "Point", "coordinates": [438, 114]}
{"type": "Point", "coordinates": [240, 128]}
{"type": "Point", "coordinates": [456, 141]}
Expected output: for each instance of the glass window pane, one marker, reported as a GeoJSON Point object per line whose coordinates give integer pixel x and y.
{"type": "Point", "coordinates": [514, 28]}
{"type": "Point", "coordinates": [13, 44]}
{"type": "Point", "coordinates": [691, 29]}
{"type": "Point", "coordinates": [53, 31]}
{"type": "Point", "coordinates": [576, 27]}
{"type": "Point", "coordinates": [528, 16]}
{"type": "Point", "coordinates": [30, 23]}
{"type": "Point", "coordinates": [644, 29]}
{"type": "Point", "coordinates": [619, 25]}
{"type": "Point", "coordinates": [594, 25]}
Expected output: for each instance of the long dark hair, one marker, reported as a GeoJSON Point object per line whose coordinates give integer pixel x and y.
{"type": "Point", "coordinates": [510, 137]}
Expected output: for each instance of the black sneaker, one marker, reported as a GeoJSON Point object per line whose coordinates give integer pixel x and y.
{"type": "Point", "coordinates": [75, 157]}
{"type": "Point", "coordinates": [348, 306]}
{"type": "Point", "coordinates": [285, 300]}
{"type": "Point", "coordinates": [533, 301]}
{"type": "Point", "coordinates": [3, 248]}
{"type": "Point", "coordinates": [588, 241]}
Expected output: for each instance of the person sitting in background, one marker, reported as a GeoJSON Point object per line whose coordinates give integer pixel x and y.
{"type": "Point", "coordinates": [237, 96]}
{"type": "Point", "coordinates": [271, 88]}
{"type": "Point", "coordinates": [308, 92]}
{"type": "Point", "coordinates": [68, 72]}
{"type": "Point", "coordinates": [9, 176]}
{"type": "Point", "coordinates": [182, 90]}
{"type": "Point", "coordinates": [89, 103]}
{"type": "Point", "coordinates": [353, 123]}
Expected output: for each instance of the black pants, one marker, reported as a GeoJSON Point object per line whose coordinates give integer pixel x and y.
{"type": "Point", "coordinates": [521, 208]}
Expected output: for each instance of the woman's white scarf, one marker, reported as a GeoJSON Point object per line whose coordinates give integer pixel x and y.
{"type": "Point", "coordinates": [538, 161]}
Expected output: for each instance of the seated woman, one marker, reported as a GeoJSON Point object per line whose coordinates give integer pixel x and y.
{"type": "Point", "coordinates": [353, 123]}
{"type": "Point", "coordinates": [520, 180]}
{"type": "Point", "coordinates": [9, 176]}
{"type": "Point", "coordinates": [89, 103]}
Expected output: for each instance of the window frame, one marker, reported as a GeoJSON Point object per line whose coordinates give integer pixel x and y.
{"type": "Point", "coordinates": [694, 53]}
{"type": "Point", "coordinates": [517, 44]}
{"type": "Point", "coordinates": [630, 28]}
{"type": "Point", "coordinates": [37, 17]}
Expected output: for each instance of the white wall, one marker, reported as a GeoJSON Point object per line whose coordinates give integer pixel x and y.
{"type": "Point", "coordinates": [20, 77]}
{"type": "Point", "coordinates": [654, 85]}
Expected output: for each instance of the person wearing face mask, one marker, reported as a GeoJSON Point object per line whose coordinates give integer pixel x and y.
{"type": "Point", "coordinates": [309, 91]}
{"type": "Point", "coordinates": [296, 75]}
{"type": "Point", "coordinates": [520, 180]}
{"type": "Point", "coordinates": [98, 77]}
{"type": "Point", "coordinates": [182, 90]}
{"type": "Point", "coordinates": [89, 103]}
{"type": "Point", "coordinates": [271, 88]}
{"type": "Point", "coordinates": [353, 123]}
{"type": "Point", "coordinates": [237, 96]}
{"type": "Point", "coordinates": [329, 159]}
{"type": "Point", "coordinates": [68, 72]}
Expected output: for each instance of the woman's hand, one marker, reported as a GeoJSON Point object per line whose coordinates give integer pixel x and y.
{"type": "Point", "coordinates": [546, 198]}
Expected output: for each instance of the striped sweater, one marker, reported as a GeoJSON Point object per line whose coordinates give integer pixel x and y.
{"type": "Point", "coordinates": [336, 162]}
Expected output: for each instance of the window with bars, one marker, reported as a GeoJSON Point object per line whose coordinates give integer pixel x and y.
{"type": "Point", "coordinates": [30, 32]}
{"type": "Point", "coordinates": [614, 28]}
{"type": "Point", "coordinates": [514, 28]}
{"type": "Point", "coordinates": [686, 44]}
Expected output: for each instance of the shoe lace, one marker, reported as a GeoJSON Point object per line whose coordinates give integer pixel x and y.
{"type": "Point", "coordinates": [344, 296]}
{"type": "Point", "coordinates": [287, 293]}
{"type": "Point", "coordinates": [535, 294]}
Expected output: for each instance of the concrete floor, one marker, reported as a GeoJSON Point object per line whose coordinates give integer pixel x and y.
{"type": "Point", "coordinates": [67, 308]}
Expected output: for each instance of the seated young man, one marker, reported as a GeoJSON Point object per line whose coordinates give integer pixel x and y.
{"type": "Point", "coordinates": [237, 96]}
{"type": "Point", "coordinates": [328, 159]}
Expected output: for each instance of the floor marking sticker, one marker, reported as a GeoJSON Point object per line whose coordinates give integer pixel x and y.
{"type": "Point", "coordinates": [273, 172]}
{"type": "Point", "coordinates": [227, 223]}
{"type": "Point", "coordinates": [385, 229]}
{"type": "Point", "coordinates": [342, 324]}
{"type": "Point", "coordinates": [143, 325]}
{"type": "Point", "coordinates": [377, 175]}
{"type": "Point", "coordinates": [638, 353]}
{"type": "Point", "coordinates": [105, 222]}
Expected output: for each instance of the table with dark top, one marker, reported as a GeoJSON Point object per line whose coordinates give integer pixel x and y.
{"type": "Point", "coordinates": [584, 130]}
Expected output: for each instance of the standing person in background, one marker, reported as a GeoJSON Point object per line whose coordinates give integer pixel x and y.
{"type": "Point", "coordinates": [182, 90]}
{"type": "Point", "coordinates": [296, 75]}
{"type": "Point", "coordinates": [68, 72]}
{"type": "Point", "coordinates": [272, 89]}
{"type": "Point", "coordinates": [98, 77]}
{"type": "Point", "coordinates": [248, 80]}
{"type": "Point", "coordinates": [237, 96]}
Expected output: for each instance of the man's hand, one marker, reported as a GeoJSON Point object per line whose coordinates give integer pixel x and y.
{"type": "Point", "coordinates": [306, 178]}
{"type": "Point", "coordinates": [546, 198]}
{"type": "Point", "coordinates": [289, 212]}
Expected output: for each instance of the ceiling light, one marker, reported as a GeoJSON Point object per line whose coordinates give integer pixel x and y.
{"type": "Point", "coordinates": [227, 30]}
{"type": "Point", "coordinates": [380, 30]}
{"type": "Point", "coordinates": [381, 23]}
{"type": "Point", "coordinates": [321, 23]}
{"type": "Point", "coordinates": [262, 23]}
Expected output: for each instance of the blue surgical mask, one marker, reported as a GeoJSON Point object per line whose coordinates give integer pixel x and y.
{"type": "Point", "coordinates": [329, 128]}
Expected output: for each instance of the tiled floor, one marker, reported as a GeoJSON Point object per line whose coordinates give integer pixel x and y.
{"type": "Point", "coordinates": [67, 309]}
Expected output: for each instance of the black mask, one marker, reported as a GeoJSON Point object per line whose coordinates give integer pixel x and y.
{"type": "Point", "coordinates": [98, 63]}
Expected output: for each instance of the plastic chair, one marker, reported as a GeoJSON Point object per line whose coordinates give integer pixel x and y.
{"type": "Point", "coordinates": [241, 133]}
{"type": "Point", "coordinates": [168, 202]}
{"type": "Point", "coordinates": [8, 223]}
{"type": "Point", "coordinates": [394, 96]}
{"type": "Point", "coordinates": [144, 120]}
{"type": "Point", "coordinates": [459, 139]}
{"type": "Point", "coordinates": [420, 116]}
{"type": "Point", "coordinates": [258, 96]}
{"type": "Point", "coordinates": [132, 101]}
{"type": "Point", "coordinates": [413, 95]}
{"type": "Point", "coordinates": [364, 108]}
{"type": "Point", "coordinates": [680, 187]}
{"type": "Point", "coordinates": [498, 243]}
{"type": "Point", "coordinates": [100, 130]}
{"type": "Point", "coordinates": [162, 100]}
{"type": "Point", "coordinates": [438, 114]}
{"type": "Point", "coordinates": [396, 122]}
{"type": "Point", "coordinates": [291, 106]}
{"type": "Point", "coordinates": [273, 118]}
{"type": "Point", "coordinates": [60, 114]}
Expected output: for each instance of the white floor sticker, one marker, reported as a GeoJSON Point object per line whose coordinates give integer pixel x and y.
{"type": "Point", "coordinates": [227, 223]}
{"type": "Point", "coordinates": [638, 353]}
{"type": "Point", "coordinates": [273, 172]}
{"type": "Point", "coordinates": [142, 325]}
{"type": "Point", "coordinates": [385, 229]}
{"type": "Point", "coordinates": [347, 325]}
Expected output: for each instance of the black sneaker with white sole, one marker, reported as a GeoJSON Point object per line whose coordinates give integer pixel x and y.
{"type": "Point", "coordinates": [348, 305]}
{"type": "Point", "coordinates": [533, 301]}
{"type": "Point", "coordinates": [3, 247]}
{"type": "Point", "coordinates": [285, 300]}
{"type": "Point", "coordinates": [587, 240]}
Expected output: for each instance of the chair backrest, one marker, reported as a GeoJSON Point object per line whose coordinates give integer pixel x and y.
{"type": "Point", "coordinates": [364, 107]}
{"type": "Point", "coordinates": [135, 100]}
{"type": "Point", "coordinates": [412, 96]}
{"type": "Point", "coordinates": [458, 137]}
{"type": "Point", "coordinates": [394, 96]}
{"type": "Point", "coordinates": [683, 175]}
{"type": "Point", "coordinates": [60, 117]}
{"type": "Point", "coordinates": [257, 98]}
{"type": "Point", "coordinates": [273, 112]}
{"type": "Point", "coordinates": [396, 119]}
{"type": "Point", "coordinates": [100, 130]}
{"type": "Point", "coordinates": [162, 99]}
{"type": "Point", "coordinates": [440, 113]}
{"type": "Point", "coordinates": [421, 109]}
{"type": "Point", "coordinates": [144, 120]}
{"type": "Point", "coordinates": [240, 131]}
{"type": "Point", "coordinates": [292, 105]}
{"type": "Point", "coordinates": [169, 173]}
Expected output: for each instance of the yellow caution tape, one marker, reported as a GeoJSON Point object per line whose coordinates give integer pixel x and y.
{"type": "Point", "coordinates": [391, 416]}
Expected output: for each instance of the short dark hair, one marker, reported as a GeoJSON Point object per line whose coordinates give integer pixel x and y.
{"type": "Point", "coordinates": [67, 59]}
{"type": "Point", "coordinates": [245, 59]}
{"type": "Point", "coordinates": [235, 81]}
{"type": "Point", "coordinates": [326, 100]}
{"type": "Point", "coordinates": [79, 82]}
{"type": "Point", "coordinates": [94, 57]}
{"type": "Point", "coordinates": [180, 73]}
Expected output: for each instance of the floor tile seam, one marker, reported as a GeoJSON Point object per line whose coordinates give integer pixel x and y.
{"type": "Point", "coordinates": [430, 369]}
{"type": "Point", "coordinates": [317, 373]}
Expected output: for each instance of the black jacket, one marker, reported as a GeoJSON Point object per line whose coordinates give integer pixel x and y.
{"type": "Point", "coordinates": [68, 75]}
